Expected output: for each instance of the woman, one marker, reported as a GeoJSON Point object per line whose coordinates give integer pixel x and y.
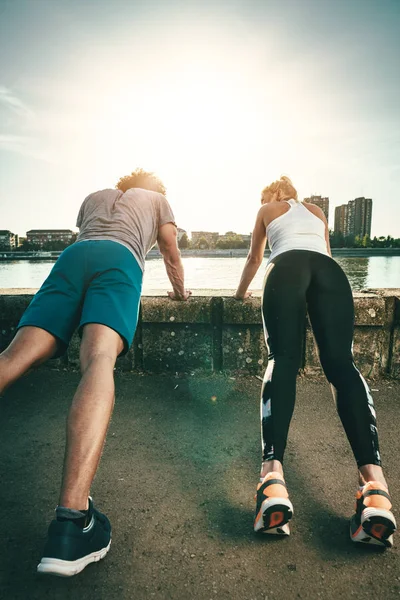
{"type": "Point", "coordinates": [301, 275]}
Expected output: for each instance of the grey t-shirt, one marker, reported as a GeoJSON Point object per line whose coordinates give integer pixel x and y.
{"type": "Point", "coordinates": [131, 218]}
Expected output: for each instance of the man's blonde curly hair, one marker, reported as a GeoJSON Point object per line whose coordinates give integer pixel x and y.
{"type": "Point", "coordinates": [141, 179]}
{"type": "Point", "coordinates": [284, 189]}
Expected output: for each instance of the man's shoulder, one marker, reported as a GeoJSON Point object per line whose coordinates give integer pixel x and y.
{"type": "Point", "coordinates": [143, 193]}
{"type": "Point", "coordinates": [105, 192]}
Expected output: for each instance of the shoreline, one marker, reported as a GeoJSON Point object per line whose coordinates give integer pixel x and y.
{"type": "Point", "coordinates": [221, 253]}
{"type": "Point", "coordinates": [243, 252]}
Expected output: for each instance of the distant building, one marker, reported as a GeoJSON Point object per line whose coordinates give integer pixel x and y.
{"type": "Point", "coordinates": [323, 203]}
{"type": "Point", "coordinates": [341, 219]}
{"type": "Point", "coordinates": [40, 237]}
{"type": "Point", "coordinates": [362, 216]}
{"type": "Point", "coordinates": [8, 240]}
{"type": "Point", "coordinates": [210, 236]}
{"type": "Point", "coordinates": [359, 217]}
{"type": "Point", "coordinates": [354, 218]}
{"type": "Point", "coordinates": [350, 221]}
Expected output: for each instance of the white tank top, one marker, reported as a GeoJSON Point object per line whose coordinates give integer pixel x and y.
{"type": "Point", "coordinates": [296, 229]}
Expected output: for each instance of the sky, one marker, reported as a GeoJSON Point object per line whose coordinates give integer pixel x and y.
{"type": "Point", "coordinates": [218, 98]}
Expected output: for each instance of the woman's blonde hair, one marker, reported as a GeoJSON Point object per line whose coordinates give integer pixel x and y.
{"type": "Point", "coordinates": [283, 187]}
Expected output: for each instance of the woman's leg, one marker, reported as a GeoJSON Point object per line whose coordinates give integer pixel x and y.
{"type": "Point", "coordinates": [284, 310]}
{"type": "Point", "coordinates": [331, 311]}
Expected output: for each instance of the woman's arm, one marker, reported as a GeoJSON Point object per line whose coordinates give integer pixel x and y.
{"type": "Point", "coordinates": [254, 258]}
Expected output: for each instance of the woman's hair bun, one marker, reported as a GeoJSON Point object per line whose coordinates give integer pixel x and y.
{"type": "Point", "coordinates": [284, 187]}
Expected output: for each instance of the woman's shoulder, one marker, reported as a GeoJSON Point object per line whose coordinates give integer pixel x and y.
{"type": "Point", "coordinates": [273, 209]}
{"type": "Point", "coordinates": [270, 211]}
{"type": "Point", "coordinates": [316, 210]}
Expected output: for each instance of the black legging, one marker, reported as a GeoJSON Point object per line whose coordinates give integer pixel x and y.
{"type": "Point", "coordinates": [296, 281]}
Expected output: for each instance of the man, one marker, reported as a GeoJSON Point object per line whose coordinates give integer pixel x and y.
{"type": "Point", "coordinates": [95, 285]}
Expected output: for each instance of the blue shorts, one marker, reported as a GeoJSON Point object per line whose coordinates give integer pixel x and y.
{"type": "Point", "coordinates": [94, 281]}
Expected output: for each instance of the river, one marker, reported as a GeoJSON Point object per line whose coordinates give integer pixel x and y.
{"type": "Point", "coordinates": [215, 273]}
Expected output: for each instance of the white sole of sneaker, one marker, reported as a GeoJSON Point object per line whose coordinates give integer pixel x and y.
{"type": "Point", "coordinates": [369, 513]}
{"type": "Point", "coordinates": [361, 537]}
{"type": "Point", "coordinates": [376, 528]}
{"type": "Point", "coordinates": [68, 568]}
{"type": "Point", "coordinates": [274, 514]}
{"type": "Point", "coordinates": [283, 530]}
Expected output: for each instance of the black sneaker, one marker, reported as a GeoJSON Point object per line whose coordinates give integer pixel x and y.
{"type": "Point", "coordinates": [69, 549]}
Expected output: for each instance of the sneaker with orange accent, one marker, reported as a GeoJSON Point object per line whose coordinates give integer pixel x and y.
{"type": "Point", "coordinates": [274, 509]}
{"type": "Point", "coordinates": [373, 522]}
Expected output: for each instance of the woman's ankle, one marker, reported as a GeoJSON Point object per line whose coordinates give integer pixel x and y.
{"type": "Point", "coordinates": [271, 466]}
{"type": "Point", "coordinates": [369, 473]}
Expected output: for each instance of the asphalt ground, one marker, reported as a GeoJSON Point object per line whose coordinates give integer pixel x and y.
{"type": "Point", "coordinates": [177, 480]}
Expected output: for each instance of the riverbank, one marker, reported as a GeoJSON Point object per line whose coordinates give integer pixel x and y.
{"type": "Point", "coordinates": [240, 252]}
{"type": "Point", "coordinates": [40, 256]}
{"type": "Point", "coordinates": [204, 253]}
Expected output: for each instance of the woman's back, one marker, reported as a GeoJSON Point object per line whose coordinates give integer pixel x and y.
{"type": "Point", "coordinates": [295, 229]}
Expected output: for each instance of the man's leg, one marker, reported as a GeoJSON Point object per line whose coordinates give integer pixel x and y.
{"type": "Point", "coordinates": [30, 347]}
{"type": "Point", "coordinates": [111, 305]}
{"type": "Point", "coordinates": [89, 414]}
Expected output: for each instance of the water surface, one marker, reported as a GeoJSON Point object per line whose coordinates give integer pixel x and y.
{"type": "Point", "coordinates": [214, 273]}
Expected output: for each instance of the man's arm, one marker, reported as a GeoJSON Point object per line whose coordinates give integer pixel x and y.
{"type": "Point", "coordinates": [79, 218]}
{"type": "Point", "coordinates": [168, 245]}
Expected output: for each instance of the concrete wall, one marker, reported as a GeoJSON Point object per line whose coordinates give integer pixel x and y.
{"type": "Point", "coordinates": [214, 332]}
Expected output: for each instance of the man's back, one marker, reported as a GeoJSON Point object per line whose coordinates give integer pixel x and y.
{"type": "Point", "coordinates": [132, 218]}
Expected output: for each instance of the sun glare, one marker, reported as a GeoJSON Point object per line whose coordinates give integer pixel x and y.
{"type": "Point", "coordinates": [198, 118]}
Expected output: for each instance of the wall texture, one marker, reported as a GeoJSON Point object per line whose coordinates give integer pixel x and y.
{"type": "Point", "coordinates": [214, 332]}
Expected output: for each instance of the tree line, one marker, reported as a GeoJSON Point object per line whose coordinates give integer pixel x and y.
{"type": "Point", "coordinates": [338, 240]}
{"type": "Point", "coordinates": [230, 241]}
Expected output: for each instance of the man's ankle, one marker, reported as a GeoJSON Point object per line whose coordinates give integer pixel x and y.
{"type": "Point", "coordinates": [79, 517]}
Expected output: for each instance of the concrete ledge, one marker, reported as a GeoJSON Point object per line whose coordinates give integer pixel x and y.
{"type": "Point", "coordinates": [214, 332]}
